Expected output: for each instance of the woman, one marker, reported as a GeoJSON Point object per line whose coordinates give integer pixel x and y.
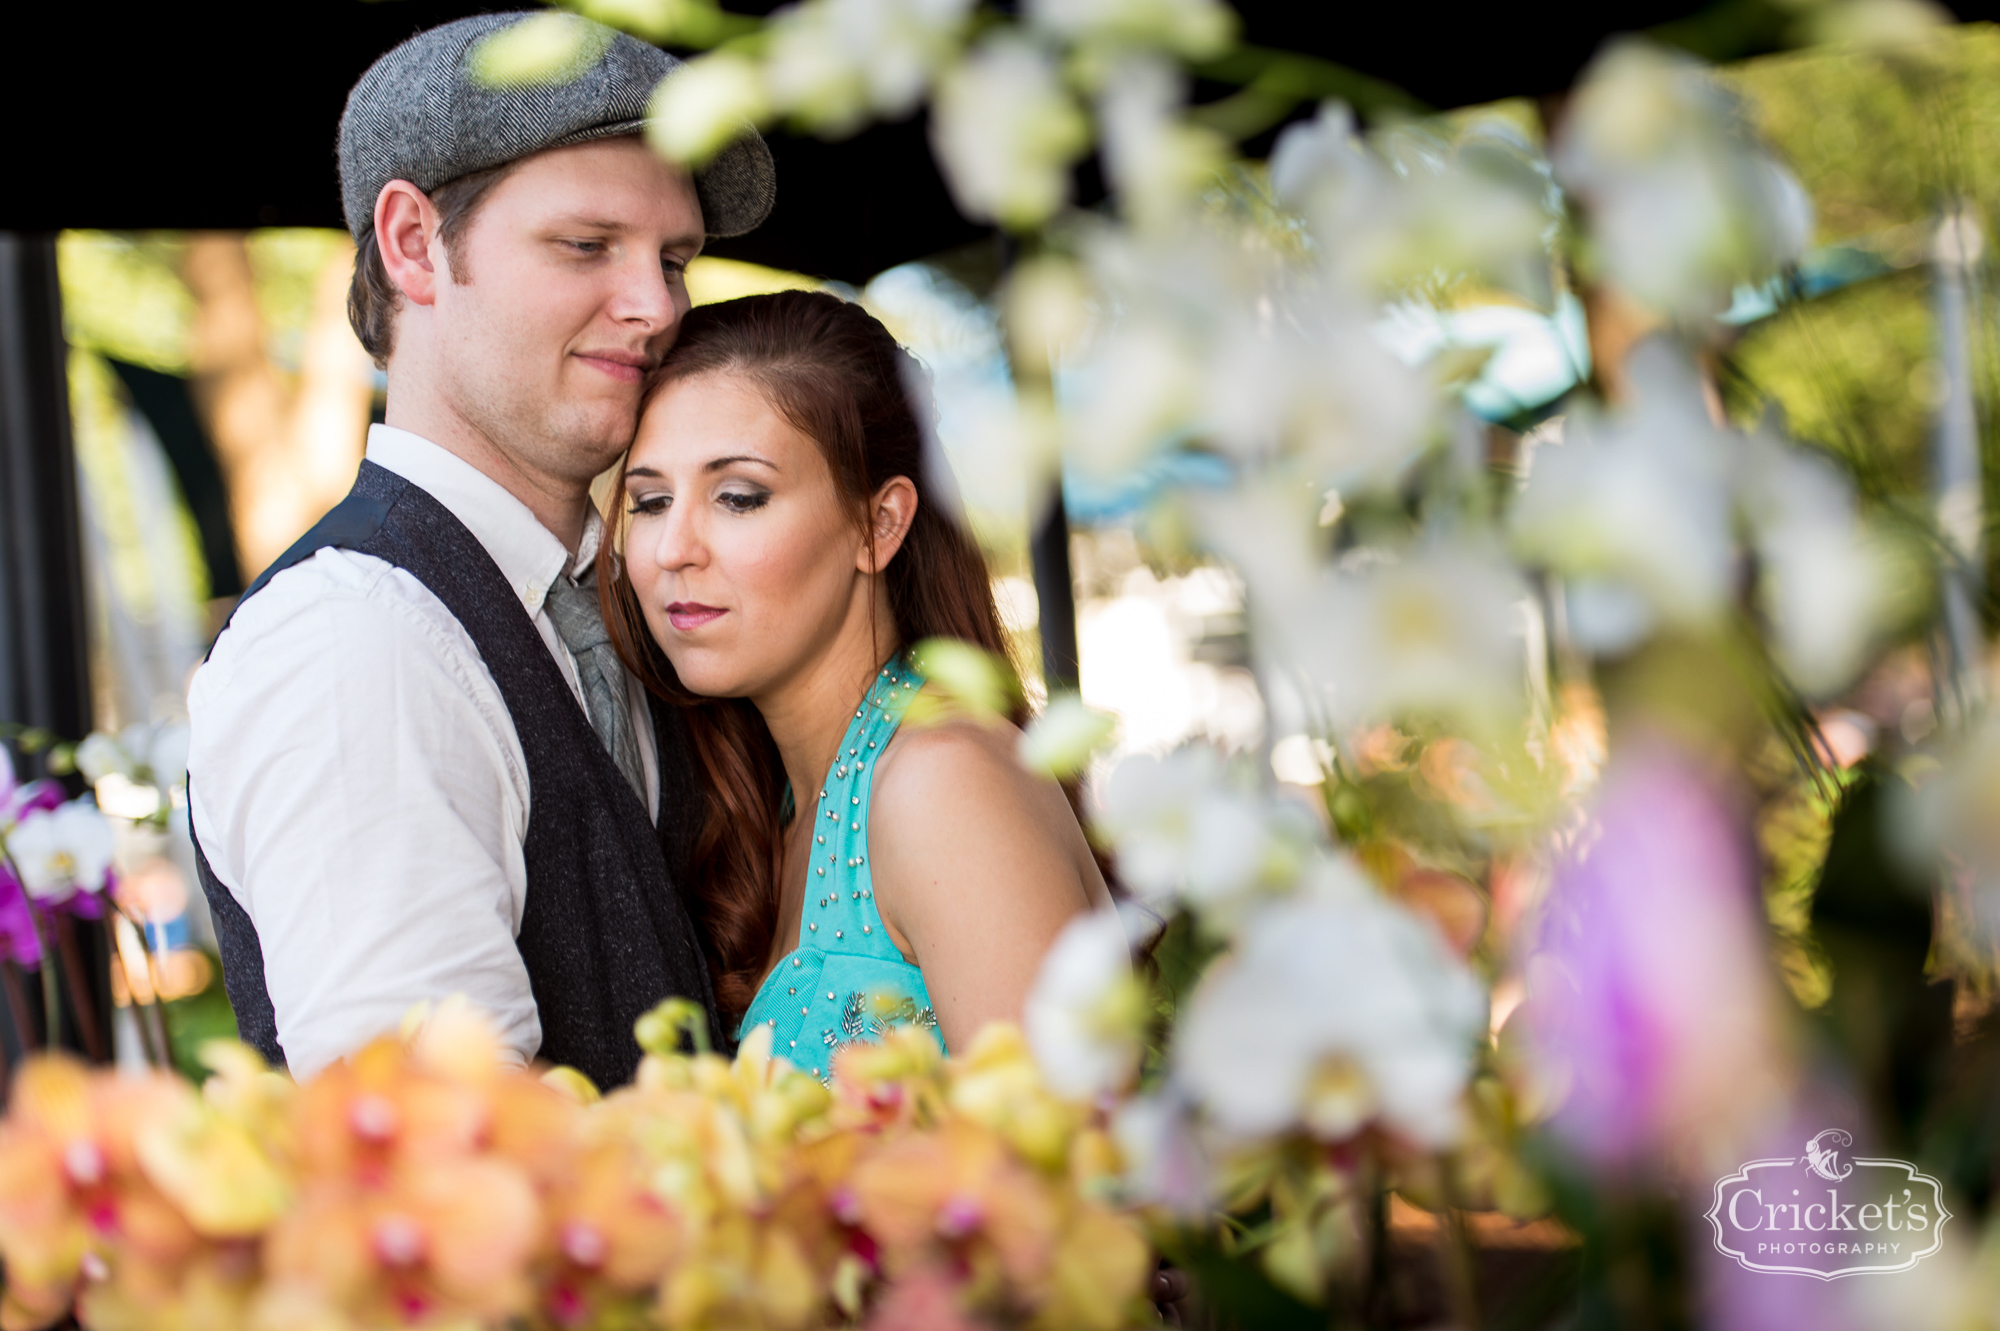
{"type": "Point", "coordinates": [782, 550]}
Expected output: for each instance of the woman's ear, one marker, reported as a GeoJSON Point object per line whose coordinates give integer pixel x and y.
{"type": "Point", "coordinates": [890, 514]}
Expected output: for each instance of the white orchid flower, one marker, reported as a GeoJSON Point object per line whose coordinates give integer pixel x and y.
{"type": "Point", "coordinates": [1478, 205]}
{"type": "Point", "coordinates": [62, 851]}
{"type": "Point", "coordinates": [833, 63]}
{"type": "Point", "coordinates": [1157, 161]}
{"type": "Point", "coordinates": [1311, 382]}
{"type": "Point", "coordinates": [1337, 1007]}
{"type": "Point", "coordinates": [1184, 829]}
{"type": "Point", "coordinates": [1684, 204]}
{"type": "Point", "coordinates": [1167, 1164]}
{"type": "Point", "coordinates": [1827, 583]}
{"type": "Point", "coordinates": [1635, 509]}
{"type": "Point", "coordinates": [100, 755]}
{"type": "Point", "coordinates": [167, 754]}
{"type": "Point", "coordinates": [1006, 131]}
{"type": "Point", "coordinates": [1085, 1013]}
{"type": "Point", "coordinates": [1436, 631]}
{"type": "Point", "coordinates": [1136, 391]}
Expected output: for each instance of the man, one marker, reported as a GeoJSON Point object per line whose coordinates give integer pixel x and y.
{"type": "Point", "coordinates": [417, 769]}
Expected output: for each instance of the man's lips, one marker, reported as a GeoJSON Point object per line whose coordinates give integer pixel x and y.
{"type": "Point", "coordinates": [686, 615]}
{"type": "Point", "coordinates": [627, 367]}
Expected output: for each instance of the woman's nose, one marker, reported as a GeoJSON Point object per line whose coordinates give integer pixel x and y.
{"type": "Point", "coordinates": [676, 542]}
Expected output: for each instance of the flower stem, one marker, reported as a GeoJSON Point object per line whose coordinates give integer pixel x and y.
{"type": "Point", "coordinates": [51, 995]}
{"type": "Point", "coordinates": [82, 1004]}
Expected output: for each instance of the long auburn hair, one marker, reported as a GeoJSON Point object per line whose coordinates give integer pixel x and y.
{"type": "Point", "coordinates": [835, 373]}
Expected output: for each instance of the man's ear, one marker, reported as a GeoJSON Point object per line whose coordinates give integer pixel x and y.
{"type": "Point", "coordinates": [890, 514]}
{"type": "Point", "coordinates": [406, 233]}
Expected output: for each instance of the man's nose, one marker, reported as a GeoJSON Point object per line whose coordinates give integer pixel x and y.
{"type": "Point", "coordinates": [644, 296]}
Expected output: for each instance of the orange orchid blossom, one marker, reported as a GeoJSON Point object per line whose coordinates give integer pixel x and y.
{"type": "Point", "coordinates": [424, 1182]}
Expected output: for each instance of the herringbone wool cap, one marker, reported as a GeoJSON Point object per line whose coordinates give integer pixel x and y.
{"type": "Point", "coordinates": [419, 115]}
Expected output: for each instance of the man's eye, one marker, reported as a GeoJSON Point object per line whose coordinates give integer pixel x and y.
{"type": "Point", "coordinates": [738, 502]}
{"type": "Point", "coordinates": [650, 505]}
{"type": "Point", "coordinates": [586, 246]}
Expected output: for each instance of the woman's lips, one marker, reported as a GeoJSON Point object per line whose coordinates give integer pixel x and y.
{"type": "Point", "coordinates": [687, 615]}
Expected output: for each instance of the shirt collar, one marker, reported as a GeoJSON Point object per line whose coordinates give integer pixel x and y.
{"type": "Point", "coordinates": [528, 554]}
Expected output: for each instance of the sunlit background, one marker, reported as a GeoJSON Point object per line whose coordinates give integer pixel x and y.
{"type": "Point", "coordinates": [220, 405]}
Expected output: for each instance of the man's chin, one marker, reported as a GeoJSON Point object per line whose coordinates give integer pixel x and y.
{"type": "Point", "coordinates": [600, 434]}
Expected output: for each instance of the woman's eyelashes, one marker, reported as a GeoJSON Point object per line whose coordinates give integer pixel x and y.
{"type": "Point", "coordinates": [653, 504]}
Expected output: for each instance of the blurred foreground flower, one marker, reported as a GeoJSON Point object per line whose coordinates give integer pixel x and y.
{"type": "Point", "coordinates": [1060, 741]}
{"type": "Point", "coordinates": [1005, 131]}
{"type": "Point", "coordinates": [1633, 509]}
{"type": "Point", "coordinates": [1085, 1012]}
{"type": "Point", "coordinates": [543, 48]}
{"type": "Point", "coordinates": [834, 63]}
{"type": "Point", "coordinates": [1186, 828]}
{"type": "Point", "coordinates": [1193, 28]}
{"type": "Point", "coordinates": [706, 105]}
{"type": "Point", "coordinates": [1336, 1008]}
{"type": "Point", "coordinates": [1477, 206]}
{"type": "Point", "coordinates": [1684, 203]}
{"type": "Point", "coordinates": [1650, 1019]}
{"type": "Point", "coordinates": [424, 1182]}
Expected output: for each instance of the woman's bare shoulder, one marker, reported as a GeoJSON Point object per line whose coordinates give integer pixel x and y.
{"type": "Point", "coordinates": [951, 768]}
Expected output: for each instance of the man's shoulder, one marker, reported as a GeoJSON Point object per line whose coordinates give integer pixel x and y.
{"type": "Point", "coordinates": [356, 598]}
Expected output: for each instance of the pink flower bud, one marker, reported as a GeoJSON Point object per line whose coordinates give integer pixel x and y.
{"type": "Point", "coordinates": [397, 1241]}
{"type": "Point", "coordinates": [373, 1118]}
{"type": "Point", "coordinates": [584, 1244]}
{"type": "Point", "coordinates": [84, 1163]}
{"type": "Point", "coordinates": [959, 1216]}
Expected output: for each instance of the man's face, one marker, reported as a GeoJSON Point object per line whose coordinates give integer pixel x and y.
{"type": "Point", "coordinates": [568, 290]}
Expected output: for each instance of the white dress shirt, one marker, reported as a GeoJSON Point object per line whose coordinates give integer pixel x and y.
{"type": "Point", "coordinates": [358, 785]}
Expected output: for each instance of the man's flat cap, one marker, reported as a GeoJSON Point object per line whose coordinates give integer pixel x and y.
{"type": "Point", "coordinates": [422, 114]}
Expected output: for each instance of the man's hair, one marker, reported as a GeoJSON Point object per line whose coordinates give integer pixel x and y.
{"type": "Point", "coordinates": [372, 299]}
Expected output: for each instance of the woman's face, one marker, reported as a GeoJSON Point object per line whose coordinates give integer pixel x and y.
{"type": "Point", "coordinates": [746, 561]}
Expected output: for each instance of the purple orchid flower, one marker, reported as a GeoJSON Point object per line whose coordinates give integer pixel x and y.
{"type": "Point", "coordinates": [89, 903]}
{"type": "Point", "coordinates": [19, 941]}
{"type": "Point", "coordinates": [33, 797]}
{"type": "Point", "coordinates": [1650, 1006]}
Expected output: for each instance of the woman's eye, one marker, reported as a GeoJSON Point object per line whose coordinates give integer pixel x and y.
{"type": "Point", "coordinates": [650, 505]}
{"type": "Point", "coordinates": [737, 501]}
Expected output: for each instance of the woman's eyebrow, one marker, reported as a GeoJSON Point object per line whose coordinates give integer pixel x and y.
{"type": "Point", "coordinates": [642, 471]}
{"type": "Point", "coordinates": [719, 463]}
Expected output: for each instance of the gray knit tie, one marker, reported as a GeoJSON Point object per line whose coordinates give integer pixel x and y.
{"type": "Point", "coordinates": [579, 623]}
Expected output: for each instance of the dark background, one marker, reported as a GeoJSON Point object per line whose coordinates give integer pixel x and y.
{"type": "Point", "coordinates": [183, 116]}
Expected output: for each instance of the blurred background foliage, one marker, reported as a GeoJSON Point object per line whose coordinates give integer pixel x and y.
{"type": "Point", "coordinates": [1883, 141]}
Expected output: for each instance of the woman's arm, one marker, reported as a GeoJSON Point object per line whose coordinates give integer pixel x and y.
{"type": "Point", "coordinates": [977, 864]}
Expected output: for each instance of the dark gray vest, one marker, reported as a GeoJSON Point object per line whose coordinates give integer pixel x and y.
{"type": "Point", "coordinates": [605, 933]}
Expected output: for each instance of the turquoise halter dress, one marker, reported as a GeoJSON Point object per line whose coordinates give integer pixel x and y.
{"type": "Point", "coordinates": [845, 982]}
